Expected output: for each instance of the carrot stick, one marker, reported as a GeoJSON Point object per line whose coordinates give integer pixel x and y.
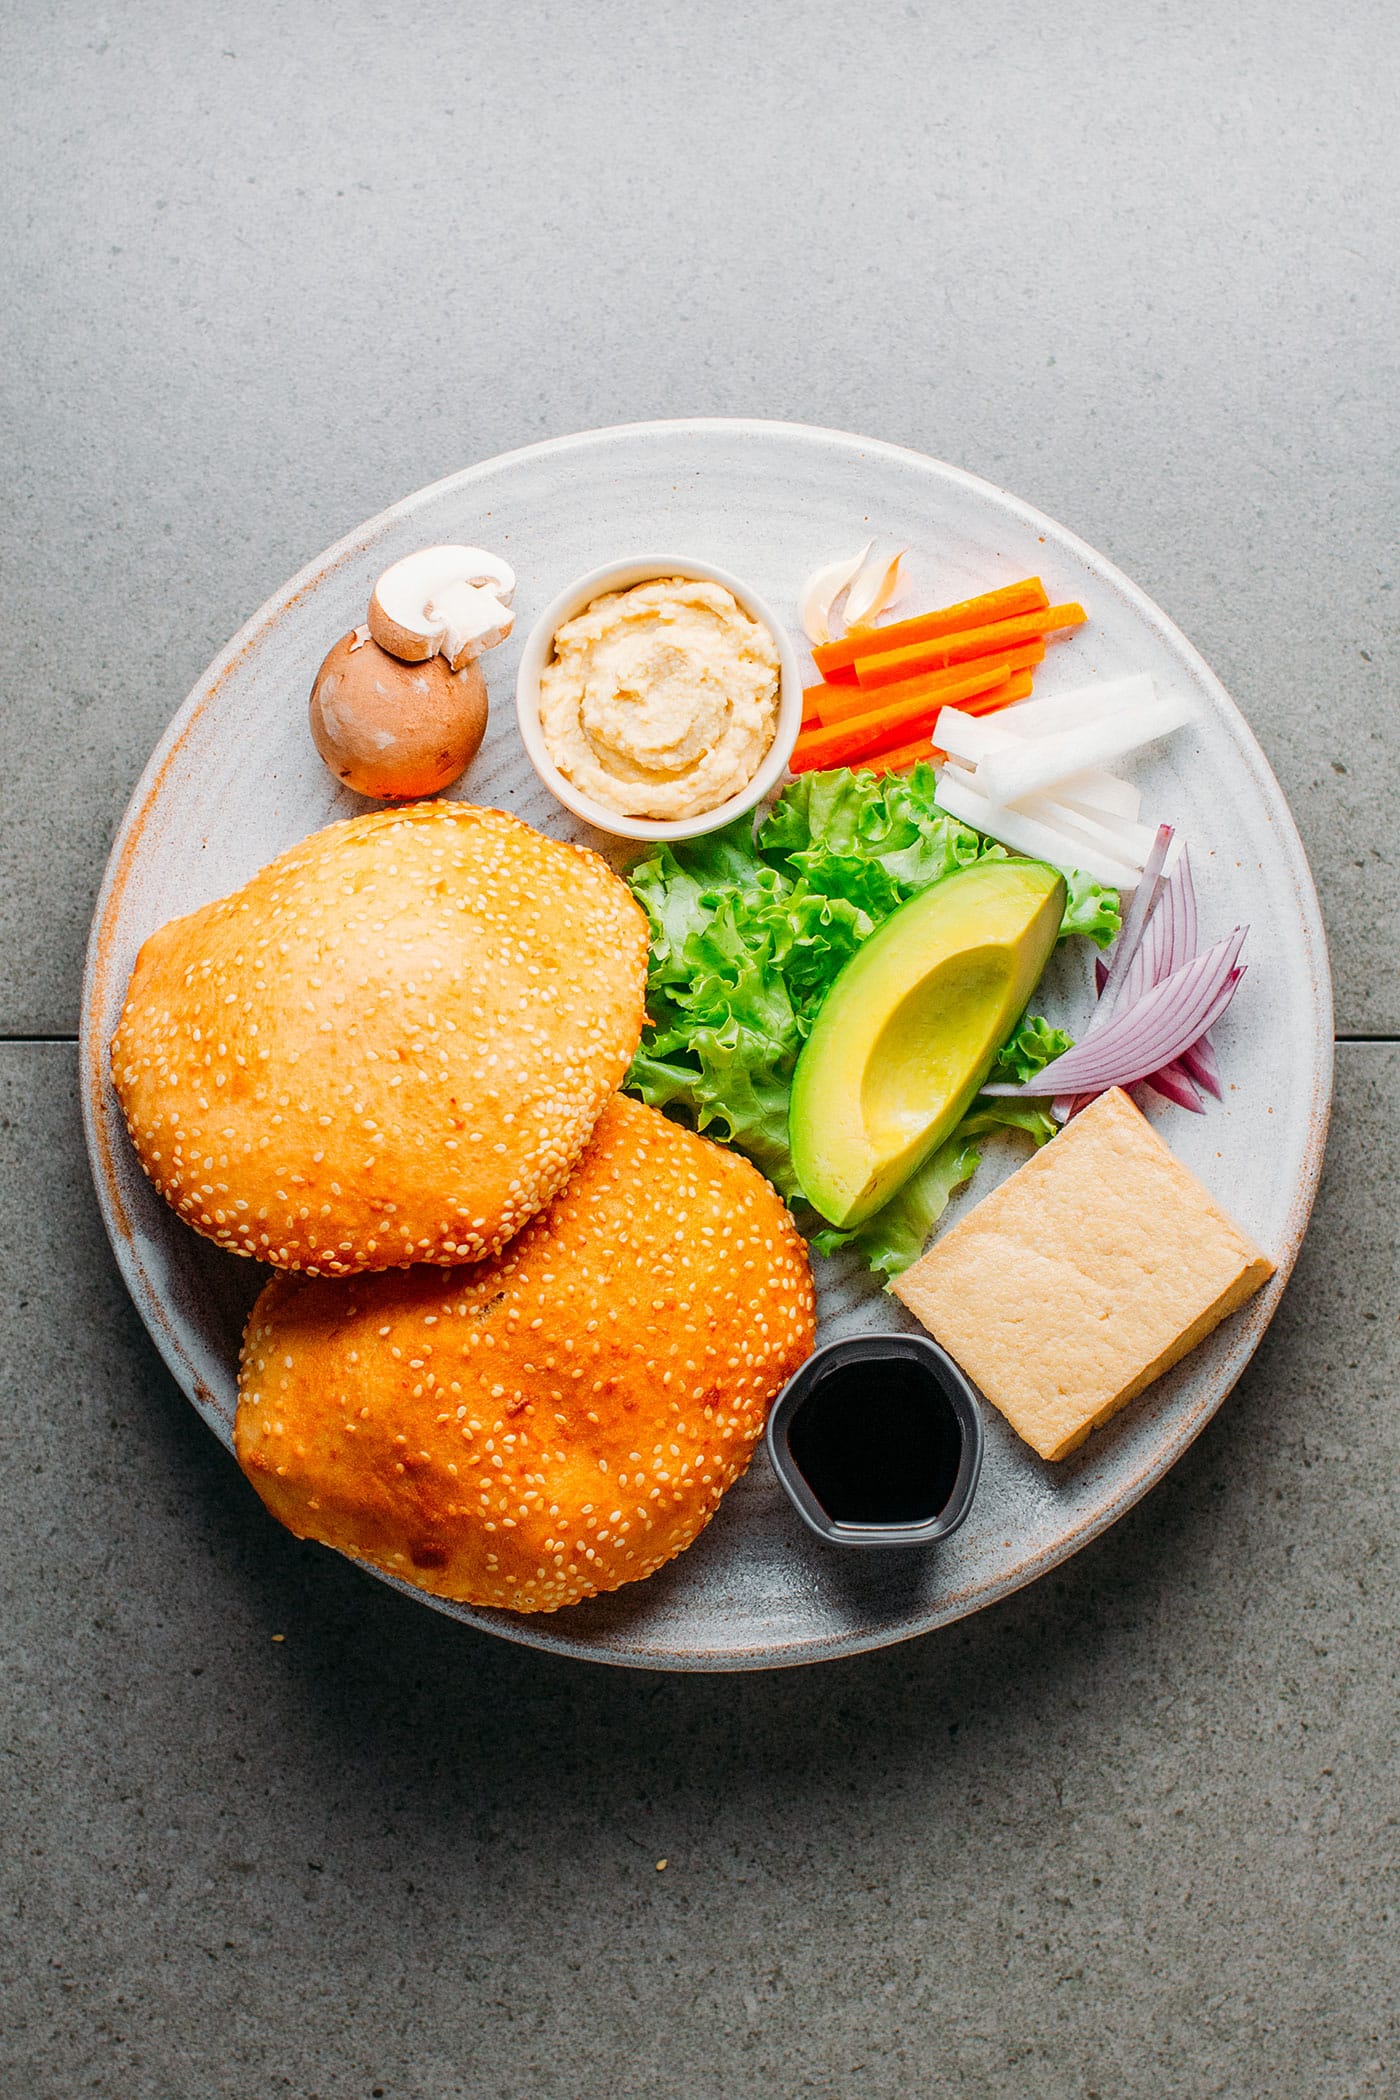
{"type": "Point", "coordinates": [824, 704]}
{"type": "Point", "coordinates": [841, 702]}
{"type": "Point", "coordinates": [1000, 696]}
{"type": "Point", "coordinates": [962, 648]}
{"type": "Point", "coordinates": [961, 682]}
{"type": "Point", "coordinates": [1012, 598]}
{"type": "Point", "coordinates": [905, 755]}
{"type": "Point", "coordinates": [1017, 688]}
{"type": "Point", "coordinates": [902, 757]}
{"type": "Point", "coordinates": [844, 743]}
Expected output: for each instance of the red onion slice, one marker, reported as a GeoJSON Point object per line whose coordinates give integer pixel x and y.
{"type": "Point", "coordinates": [1156, 946]}
{"type": "Point", "coordinates": [1173, 1083]}
{"type": "Point", "coordinates": [1169, 939]}
{"type": "Point", "coordinates": [1151, 1034]}
{"type": "Point", "coordinates": [1199, 1065]}
{"type": "Point", "coordinates": [1174, 923]}
{"type": "Point", "coordinates": [1144, 897]}
{"type": "Point", "coordinates": [1187, 895]}
{"type": "Point", "coordinates": [1168, 942]}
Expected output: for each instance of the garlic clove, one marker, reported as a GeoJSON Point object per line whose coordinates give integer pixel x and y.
{"type": "Point", "coordinates": [821, 591]}
{"type": "Point", "coordinates": [872, 590]}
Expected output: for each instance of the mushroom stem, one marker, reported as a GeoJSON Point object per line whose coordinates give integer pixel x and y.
{"type": "Point", "coordinates": [472, 617]}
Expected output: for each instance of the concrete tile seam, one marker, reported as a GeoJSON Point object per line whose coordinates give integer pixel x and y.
{"type": "Point", "coordinates": [1340, 1037]}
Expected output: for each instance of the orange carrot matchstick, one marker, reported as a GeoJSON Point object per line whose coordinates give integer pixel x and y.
{"type": "Point", "coordinates": [1017, 688]}
{"type": "Point", "coordinates": [902, 757]}
{"type": "Point", "coordinates": [897, 664]}
{"type": "Point", "coordinates": [1027, 597]}
{"type": "Point", "coordinates": [960, 683]}
{"type": "Point", "coordinates": [842, 701]}
{"type": "Point", "coordinates": [844, 743]}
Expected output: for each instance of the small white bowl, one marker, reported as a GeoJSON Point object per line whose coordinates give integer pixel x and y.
{"type": "Point", "coordinates": [539, 645]}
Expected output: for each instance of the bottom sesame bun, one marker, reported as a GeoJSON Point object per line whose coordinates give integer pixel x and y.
{"type": "Point", "coordinates": [559, 1420]}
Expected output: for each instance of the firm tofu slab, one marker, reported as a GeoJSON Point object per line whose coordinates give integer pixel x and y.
{"type": "Point", "coordinates": [1089, 1273]}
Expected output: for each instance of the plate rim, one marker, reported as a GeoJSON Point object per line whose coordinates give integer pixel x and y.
{"type": "Point", "coordinates": [542, 1631]}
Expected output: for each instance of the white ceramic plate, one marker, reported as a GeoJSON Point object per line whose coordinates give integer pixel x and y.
{"type": "Point", "coordinates": [235, 781]}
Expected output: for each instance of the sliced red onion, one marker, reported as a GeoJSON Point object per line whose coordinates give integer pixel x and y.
{"type": "Point", "coordinates": [1168, 943]}
{"type": "Point", "coordinates": [1187, 890]}
{"type": "Point", "coordinates": [1176, 946]}
{"type": "Point", "coordinates": [1150, 965]}
{"type": "Point", "coordinates": [1173, 1083]}
{"type": "Point", "coordinates": [1176, 1081]}
{"type": "Point", "coordinates": [1158, 945]}
{"type": "Point", "coordinates": [1151, 1034]}
{"type": "Point", "coordinates": [1199, 1065]}
{"type": "Point", "coordinates": [1144, 897]}
{"type": "Point", "coordinates": [1169, 938]}
{"type": "Point", "coordinates": [1159, 1034]}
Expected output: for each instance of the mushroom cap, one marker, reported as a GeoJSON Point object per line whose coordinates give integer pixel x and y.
{"type": "Point", "coordinates": [560, 1420]}
{"type": "Point", "coordinates": [394, 730]}
{"type": "Point", "coordinates": [391, 1045]}
{"type": "Point", "coordinates": [449, 600]}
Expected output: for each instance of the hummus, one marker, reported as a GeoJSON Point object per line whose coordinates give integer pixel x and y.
{"type": "Point", "coordinates": [661, 701]}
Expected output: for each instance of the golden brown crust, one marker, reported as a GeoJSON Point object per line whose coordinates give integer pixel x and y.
{"type": "Point", "coordinates": [558, 1421]}
{"type": "Point", "coordinates": [390, 1046]}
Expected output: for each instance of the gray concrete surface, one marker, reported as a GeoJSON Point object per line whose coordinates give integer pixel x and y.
{"type": "Point", "coordinates": [1132, 1833]}
{"type": "Point", "coordinates": [275, 266]}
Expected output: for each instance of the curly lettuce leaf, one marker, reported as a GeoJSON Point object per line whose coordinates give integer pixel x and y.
{"type": "Point", "coordinates": [1030, 1046]}
{"type": "Point", "coordinates": [878, 841]}
{"type": "Point", "coordinates": [1090, 909]}
{"type": "Point", "coordinates": [728, 1087]}
{"type": "Point", "coordinates": [897, 1233]}
{"type": "Point", "coordinates": [748, 935]}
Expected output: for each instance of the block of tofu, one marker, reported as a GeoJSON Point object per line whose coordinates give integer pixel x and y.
{"type": "Point", "coordinates": [1089, 1273]}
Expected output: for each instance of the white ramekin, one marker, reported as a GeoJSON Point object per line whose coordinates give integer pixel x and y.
{"type": "Point", "coordinates": [539, 644]}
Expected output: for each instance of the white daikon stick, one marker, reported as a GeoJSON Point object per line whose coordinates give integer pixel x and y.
{"type": "Point", "coordinates": [1042, 762]}
{"type": "Point", "coordinates": [1048, 713]}
{"type": "Point", "coordinates": [1024, 834]}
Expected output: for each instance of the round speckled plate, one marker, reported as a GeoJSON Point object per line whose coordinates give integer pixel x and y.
{"type": "Point", "coordinates": [235, 781]}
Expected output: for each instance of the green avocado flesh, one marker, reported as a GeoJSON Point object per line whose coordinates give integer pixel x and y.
{"type": "Point", "coordinates": [911, 1028]}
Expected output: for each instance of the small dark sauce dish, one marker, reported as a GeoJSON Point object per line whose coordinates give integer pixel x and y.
{"type": "Point", "coordinates": [878, 1442]}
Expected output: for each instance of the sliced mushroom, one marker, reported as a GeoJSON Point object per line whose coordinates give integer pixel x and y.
{"type": "Point", "coordinates": [447, 601]}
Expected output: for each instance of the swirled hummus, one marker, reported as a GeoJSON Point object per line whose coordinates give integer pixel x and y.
{"type": "Point", "coordinates": [661, 701]}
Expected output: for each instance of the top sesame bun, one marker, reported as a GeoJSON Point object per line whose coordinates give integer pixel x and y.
{"type": "Point", "coordinates": [558, 1421]}
{"type": "Point", "coordinates": [390, 1046]}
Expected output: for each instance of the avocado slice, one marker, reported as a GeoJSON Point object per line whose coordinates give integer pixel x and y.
{"type": "Point", "coordinates": [911, 1028]}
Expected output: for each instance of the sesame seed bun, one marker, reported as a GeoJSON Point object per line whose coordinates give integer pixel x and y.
{"type": "Point", "coordinates": [560, 1420]}
{"type": "Point", "coordinates": [390, 1046]}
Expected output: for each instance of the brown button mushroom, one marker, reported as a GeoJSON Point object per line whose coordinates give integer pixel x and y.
{"type": "Point", "coordinates": [394, 730]}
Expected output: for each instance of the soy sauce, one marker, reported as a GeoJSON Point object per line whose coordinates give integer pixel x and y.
{"type": "Point", "coordinates": [878, 1442]}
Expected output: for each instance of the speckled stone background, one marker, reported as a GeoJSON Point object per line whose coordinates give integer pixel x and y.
{"type": "Point", "coordinates": [1131, 1835]}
